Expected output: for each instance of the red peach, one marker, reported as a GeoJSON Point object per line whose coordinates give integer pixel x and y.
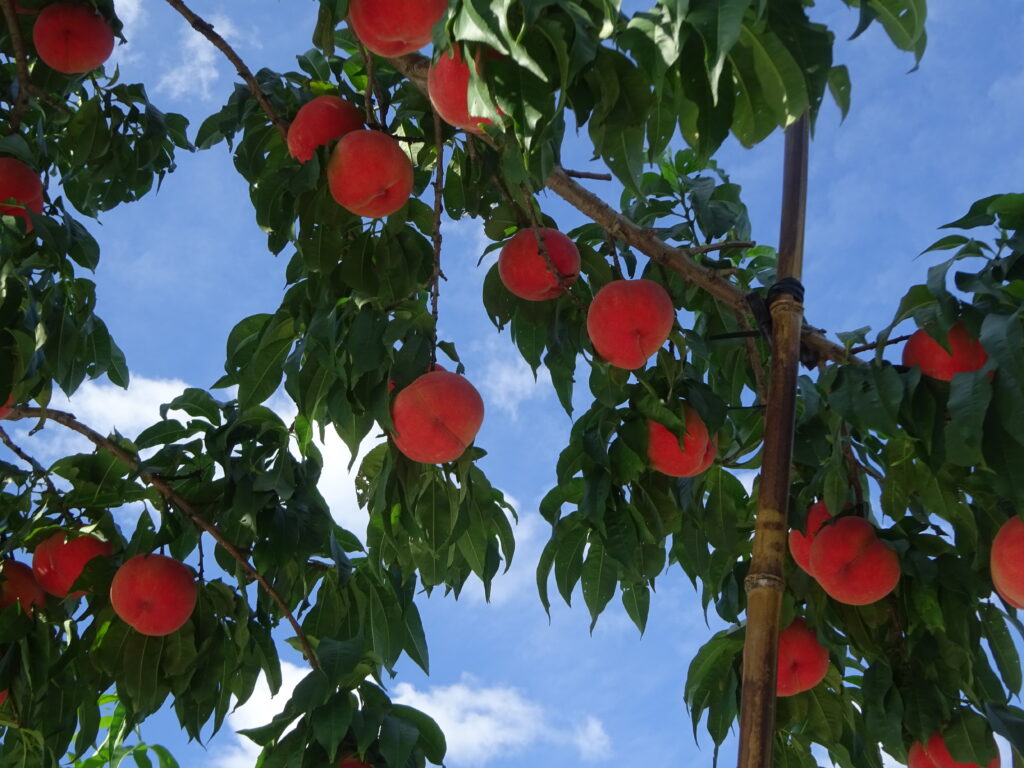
{"type": "Point", "coordinates": [3, 697]}
{"type": "Point", "coordinates": [72, 38]}
{"type": "Point", "coordinates": [395, 27]}
{"type": "Point", "coordinates": [527, 274]}
{"type": "Point", "coordinates": [799, 543]}
{"type": "Point", "coordinates": [21, 183]}
{"type": "Point", "coordinates": [965, 354]}
{"type": "Point", "coordinates": [709, 455]}
{"type": "Point", "coordinates": [667, 457]}
{"type": "Point", "coordinates": [369, 174]}
{"type": "Point", "coordinates": [448, 86]}
{"type": "Point", "coordinates": [436, 417]}
{"type": "Point", "coordinates": [351, 762]}
{"type": "Point", "coordinates": [936, 755]}
{"type": "Point", "coordinates": [5, 409]}
{"type": "Point", "coordinates": [18, 584]}
{"type": "Point", "coordinates": [58, 562]}
{"type": "Point", "coordinates": [803, 661]}
{"type": "Point", "coordinates": [851, 564]}
{"type": "Point", "coordinates": [1006, 562]}
{"type": "Point", "coordinates": [629, 320]}
{"type": "Point", "coordinates": [153, 594]}
{"type": "Point", "coordinates": [318, 122]}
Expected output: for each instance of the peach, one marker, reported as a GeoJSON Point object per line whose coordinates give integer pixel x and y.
{"type": "Point", "coordinates": [351, 762]}
{"type": "Point", "coordinates": [851, 564]}
{"type": "Point", "coordinates": [1007, 562]}
{"type": "Point", "coordinates": [436, 417]}
{"type": "Point", "coordinates": [320, 121]}
{"type": "Point", "coordinates": [22, 184]}
{"type": "Point", "coordinates": [936, 755]}
{"type": "Point", "coordinates": [629, 320]}
{"type": "Point", "coordinates": [3, 698]}
{"type": "Point", "coordinates": [395, 27]}
{"type": "Point", "coordinates": [58, 562]}
{"type": "Point", "coordinates": [5, 409]}
{"type": "Point", "coordinates": [666, 455]}
{"type": "Point", "coordinates": [448, 86]}
{"type": "Point", "coordinates": [18, 584]}
{"type": "Point", "coordinates": [803, 661]}
{"type": "Point", "coordinates": [799, 543]}
{"type": "Point", "coordinates": [153, 594]}
{"type": "Point", "coordinates": [965, 354]}
{"type": "Point", "coordinates": [72, 38]}
{"type": "Point", "coordinates": [527, 274]}
{"type": "Point", "coordinates": [369, 174]}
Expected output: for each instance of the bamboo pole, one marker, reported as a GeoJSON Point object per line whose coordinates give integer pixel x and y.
{"type": "Point", "coordinates": [764, 582]}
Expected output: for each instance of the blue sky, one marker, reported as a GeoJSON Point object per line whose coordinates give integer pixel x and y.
{"type": "Point", "coordinates": [181, 267]}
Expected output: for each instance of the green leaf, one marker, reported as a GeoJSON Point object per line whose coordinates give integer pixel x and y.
{"type": "Point", "coordinates": [718, 22]}
{"type": "Point", "coordinates": [431, 738]}
{"type": "Point", "coordinates": [840, 88]}
{"type": "Point", "coordinates": [637, 602]}
{"type": "Point", "coordinates": [599, 578]}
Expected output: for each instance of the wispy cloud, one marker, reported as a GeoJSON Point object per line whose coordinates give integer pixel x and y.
{"type": "Point", "coordinates": [483, 723]}
{"type": "Point", "coordinates": [200, 67]}
{"type": "Point", "coordinates": [259, 710]}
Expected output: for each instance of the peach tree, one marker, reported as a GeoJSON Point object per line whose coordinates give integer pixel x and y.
{"type": "Point", "coordinates": [896, 596]}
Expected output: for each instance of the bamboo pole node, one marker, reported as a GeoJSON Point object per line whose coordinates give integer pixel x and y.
{"type": "Point", "coordinates": [764, 581]}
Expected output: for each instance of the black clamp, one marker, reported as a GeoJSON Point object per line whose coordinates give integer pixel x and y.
{"type": "Point", "coordinates": [760, 306]}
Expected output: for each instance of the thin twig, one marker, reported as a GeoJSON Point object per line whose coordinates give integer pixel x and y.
{"type": "Point", "coordinates": [754, 354]}
{"type": "Point", "coordinates": [615, 257]}
{"type": "Point", "coordinates": [41, 471]}
{"type": "Point", "coordinates": [435, 278]}
{"type": "Point", "coordinates": [205, 28]}
{"type": "Point", "coordinates": [160, 485]}
{"type": "Point", "coordinates": [589, 175]}
{"type": "Point", "coordinates": [725, 245]}
{"type": "Point", "coordinates": [563, 280]}
{"type": "Point", "coordinates": [371, 120]}
{"type": "Point", "coordinates": [875, 344]}
{"type": "Point", "coordinates": [24, 83]}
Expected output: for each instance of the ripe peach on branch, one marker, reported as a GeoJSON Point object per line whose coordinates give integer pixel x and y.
{"type": "Point", "coordinates": [852, 564]}
{"type": "Point", "coordinates": [154, 594]}
{"type": "Point", "coordinates": [436, 417]}
{"type": "Point", "coordinates": [58, 561]}
{"type": "Point", "coordinates": [395, 27]}
{"type": "Point", "coordinates": [629, 320]}
{"type": "Point", "coordinates": [528, 274]}
{"type": "Point", "coordinates": [369, 174]}
{"type": "Point", "coordinates": [21, 184]}
{"type": "Point", "coordinates": [319, 122]}
{"type": "Point", "coordinates": [965, 354]}
{"type": "Point", "coordinates": [72, 39]}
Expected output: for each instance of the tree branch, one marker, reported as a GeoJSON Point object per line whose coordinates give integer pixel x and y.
{"type": "Point", "coordinates": [206, 29]}
{"type": "Point", "coordinates": [877, 344]}
{"type": "Point", "coordinates": [435, 236]}
{"type": "Point", "coordinates": [68, 420]}
{"type": "Point", "coordinates": [24, 82]}
{"type": "Point", "coordinates": [588, 175]}
{"type": "Point", "coordinates": [41, 471]}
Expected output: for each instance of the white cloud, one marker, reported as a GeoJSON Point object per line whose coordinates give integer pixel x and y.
{"type": "Point", "coordinates": [508, 382]}
{"type": "Point", "coordinates": [259, 710]}
{"type": "Point", "coordinates": [198, 70]}
{"type": "Point", "coordinates": [133, 19]}
{"type": "Point", "coordinates": [484, 723]}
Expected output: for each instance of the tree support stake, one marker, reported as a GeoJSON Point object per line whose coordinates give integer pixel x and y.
{"type": "Point", "coordinates": [764, 583]}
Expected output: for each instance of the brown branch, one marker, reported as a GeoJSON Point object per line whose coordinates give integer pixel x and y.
{"type": "Point", "coordinates": [435, 278]}
{"type": "Point", "coordinates": [24, 83]}
{"type": "Point", "coordinates": [68, 420]}
{"type": "Point", "coordinates": [205, 28]}
{"type": "Point", "coordinates": [680, 260]}
{"type": "Point", "coordinates": [876, 344]}
{"type": "Point", "coordinates": [41, 471]}
{"type": "Point", "coordinates": [588, 175]}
